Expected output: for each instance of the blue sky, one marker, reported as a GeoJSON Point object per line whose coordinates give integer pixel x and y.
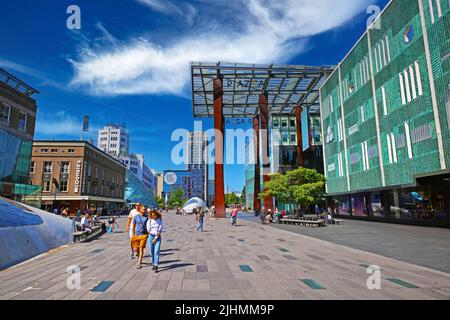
{"type": "Point", "coordinates": [130, 60]}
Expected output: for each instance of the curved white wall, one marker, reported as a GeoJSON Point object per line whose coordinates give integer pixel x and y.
{"type": "Point", "coordinates": [21, 243]}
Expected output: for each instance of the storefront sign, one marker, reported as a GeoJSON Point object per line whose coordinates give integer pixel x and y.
{"type": "Point", "coordinates": [84, 178]}
{"type": "Point", "coordinates": [76, 187]}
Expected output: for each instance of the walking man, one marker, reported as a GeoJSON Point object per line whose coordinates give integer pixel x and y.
{"type": "Point", "coordinates": [129, 227]}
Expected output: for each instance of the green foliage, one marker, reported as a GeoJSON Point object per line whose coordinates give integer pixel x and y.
{"type": "Point", "coordinates": [231, 199]}
{"type": "Point", "coordinates": [160, 203]}
{"type": "Point", "coordinates": [176, 198]}
{"type": "Point", "coordinates": [301, 186]}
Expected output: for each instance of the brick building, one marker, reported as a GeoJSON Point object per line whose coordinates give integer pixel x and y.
{"type": "Point", "coordinates": [76, 174]}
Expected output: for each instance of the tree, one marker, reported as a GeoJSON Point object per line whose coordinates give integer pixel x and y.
{"type": "Point", "coordinates": [304, 187]}
{"type": "Point", "coordinates": [160, 203]}
{"type": "Point", "coordinates": [231, 199]}
{"type": "Point", "coordinates": [176, 198]}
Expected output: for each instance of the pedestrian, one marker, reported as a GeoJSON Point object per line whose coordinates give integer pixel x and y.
{"type": "Point", "coordinates": [129, 227]}
{"type": "Point", "coordinates": [269, 216]}
{"type": "Point", "coordinates": [200, 219]}
{"type": "Point", "coordinates": [155, 228]}
{"type": "Point", "coordinates": [317, 210]}
{"type": "Point", "coordinates": [283, 213]}
{"type": "Point", "coordinates": [139, 234]}
{"type": "Point", "coordinates": [86, 223]}
{"type": "Point", "coordinates": [234, 214]}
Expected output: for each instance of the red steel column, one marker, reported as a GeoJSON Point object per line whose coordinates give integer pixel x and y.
{"type": "Point", "coordinates": [257, 183]}
{"type": "Point", "coordinates": [219, 194]}
{"type": "Point", "coordinates": [264, 114]}
{"type": "Point", "coordinates": [298, 117]}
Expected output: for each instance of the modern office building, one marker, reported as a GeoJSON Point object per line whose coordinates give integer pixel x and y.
{"type": "Point", "coordinates": [17, 122]}
{"type": "Point", "coordinates": [136, 191]}
{"type": "Point", "coordinates": [77, 175]}
{"type": "Point", "coordinates": [386, 119]}
{"type": "Point", "coordinates": [114, 139]}
{"type": "Point", "coordinates": [136, 164]}
{"type": "Point", "coordinates": [197, 163]}
{"type": "Point", "coordinates": [178, 179]}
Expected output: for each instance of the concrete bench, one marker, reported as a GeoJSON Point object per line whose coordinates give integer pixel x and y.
{"type": "Point", "coordinates": [82, 236]}
{"type": "Point", "coordinates": [337, 221]}
{"type": "Point", "coordinates": [318, 223]}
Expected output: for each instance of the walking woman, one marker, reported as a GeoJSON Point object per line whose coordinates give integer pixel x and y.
{"type": "Point", "coordinates": [139, 234]}
{"type": "Point", "coordinates": [200, 219]}
{"type": "Point", "coordinates": [155, 228]}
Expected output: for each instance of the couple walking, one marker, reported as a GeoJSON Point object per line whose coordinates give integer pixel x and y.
{"type": "Point", "coordinates": [145, 230]}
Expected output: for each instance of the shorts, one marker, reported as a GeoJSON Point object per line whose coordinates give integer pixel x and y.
{"type": "Point", "coordinates": [139, 241]}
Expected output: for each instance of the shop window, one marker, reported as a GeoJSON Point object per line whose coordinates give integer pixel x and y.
{"type": "Point", "coordinates": [343, 206]}
{"type": "Point", "coordinates": [359, 206]}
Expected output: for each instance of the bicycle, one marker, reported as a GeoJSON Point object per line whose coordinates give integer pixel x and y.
{"type": "Point", "coordinates": [113, 225]}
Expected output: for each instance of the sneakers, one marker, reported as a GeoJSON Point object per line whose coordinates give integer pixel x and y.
{"type": "Point", "coordinates": [153, 268]}
{"type": "Point", "coordinates": [132, 257]}
{"type": "Point", "coordinates": [139, 267]}
{"type": "Point", "coordinates": [156, 269]}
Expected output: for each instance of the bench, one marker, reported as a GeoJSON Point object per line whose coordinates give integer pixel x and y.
{"type": "Point", "coordinates": [337, 221]}
{"type": "Point", "coordinates": [82, 236]}
{"type": "Point", "coordinates": [318, 223]}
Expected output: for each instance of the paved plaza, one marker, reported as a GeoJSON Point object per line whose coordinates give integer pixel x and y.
{"type": "Point", "coordinates": [250, 261]}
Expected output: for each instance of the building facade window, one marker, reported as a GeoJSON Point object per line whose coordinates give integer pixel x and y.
{"type": "Point", "coordinates": [48, 166]}
{"type": "Point", "coordinates": [22, 126]}
{"type": "Point", "coordinates": [32, 166]}
{"type": "Point", "coordinates": [5, 112]}
{"type": "Point", "coordinates": [65, 167]}
{"type": "Point", "coordinates": [63, 186]}
{"type": "Point", "coordinates": [46, 186]}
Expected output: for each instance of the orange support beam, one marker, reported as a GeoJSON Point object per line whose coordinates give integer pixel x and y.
{"type": "Point", "coordinates": [264, 115]}
{"type": "Point", "coordinates": [298, 117]}
{"type": "Point", "coordinates": [219, 193]}
{"type": "Point", "coordinates": [257, 183]}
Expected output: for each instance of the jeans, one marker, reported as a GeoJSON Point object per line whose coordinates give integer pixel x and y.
{"type": "Point", "coordinates": [154, 249]}
{"type": "Point", "coordinates": [200, 226]}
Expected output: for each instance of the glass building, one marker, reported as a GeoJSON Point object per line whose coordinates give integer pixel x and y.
{"type": "Point", "coordinates": [17, 122]}
{"type": "Point", "coordinates": [386, 119]}
{"type": "Point", "coordinates": [136, 191]}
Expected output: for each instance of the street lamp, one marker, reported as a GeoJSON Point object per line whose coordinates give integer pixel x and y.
{"type": "Point", "coordinates": [55, 182]}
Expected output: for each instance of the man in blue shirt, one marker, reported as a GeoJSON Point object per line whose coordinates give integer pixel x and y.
{"type": "Point", "coordinates": [140, 233]}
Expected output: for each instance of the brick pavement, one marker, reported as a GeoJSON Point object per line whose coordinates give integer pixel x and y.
{"type": "Point", "coordinates": [250, 261]}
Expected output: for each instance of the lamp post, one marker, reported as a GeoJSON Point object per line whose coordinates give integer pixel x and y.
{"type": "Point", "coordinates": [55, 182]}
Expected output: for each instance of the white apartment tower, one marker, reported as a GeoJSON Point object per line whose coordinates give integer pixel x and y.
{"type": "Point", "coordinates": [114, 139]}
{"type": "Point", "coordinates": [197, 163]}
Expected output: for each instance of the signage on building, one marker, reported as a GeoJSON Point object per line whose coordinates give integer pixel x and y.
{"type": "Point", "coordinates": [76, 187]}
{"type": "Point", "coordinates": [85, 123]}
{"type": "Point", "coordinates": [244, 83]}
{"type": "Point", "coordinates": [238, 121]}
{"type": "Point", "coordinates": [170, 178]}
{"type": "Point", "coordinates": [84, 178]}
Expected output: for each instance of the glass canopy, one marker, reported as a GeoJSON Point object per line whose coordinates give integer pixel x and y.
{"type": "Point", "coordinates": [287, 86]}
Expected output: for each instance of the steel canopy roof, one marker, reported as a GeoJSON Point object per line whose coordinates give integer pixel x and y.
{"type": "Point", "coordinates": [287, 86]}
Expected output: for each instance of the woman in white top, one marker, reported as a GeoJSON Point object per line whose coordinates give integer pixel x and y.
{"type": "Point", "coordinates": [154, 228]}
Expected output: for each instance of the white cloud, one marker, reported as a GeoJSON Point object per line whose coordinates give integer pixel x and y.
{"type": "Point", "coordinates": [268, 31]}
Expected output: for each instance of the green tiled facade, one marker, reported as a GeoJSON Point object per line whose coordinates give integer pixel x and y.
{"type": "Point", "coordinates": [390, 97]}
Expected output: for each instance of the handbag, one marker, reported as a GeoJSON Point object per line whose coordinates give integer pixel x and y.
{"type": "Point", "coordinates": [144, 227]}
